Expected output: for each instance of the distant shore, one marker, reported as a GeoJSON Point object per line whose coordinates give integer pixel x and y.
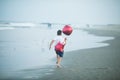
{"type": "Point", "coordinates": [112, 27]}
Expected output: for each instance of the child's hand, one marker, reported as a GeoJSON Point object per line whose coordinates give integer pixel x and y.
{"type": "Point", "coordinates": [65, 39]}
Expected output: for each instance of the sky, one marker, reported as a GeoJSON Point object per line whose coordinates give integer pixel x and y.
{"type": "Point", "coordinates": [61, 11]}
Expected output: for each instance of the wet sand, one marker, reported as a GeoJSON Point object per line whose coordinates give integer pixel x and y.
{"type": "Point", "coordinates": [91, 64]}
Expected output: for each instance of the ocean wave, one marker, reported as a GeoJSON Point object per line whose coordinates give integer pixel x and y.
{"type": "Point", "coordinates": [6, 28]}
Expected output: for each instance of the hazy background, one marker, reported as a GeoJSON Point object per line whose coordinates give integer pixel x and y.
{"type": "Point", "coordinates": [61, 11]}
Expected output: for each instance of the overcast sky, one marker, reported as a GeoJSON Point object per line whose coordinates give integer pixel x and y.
{"type": "Point", "coordinates": [61, 11]}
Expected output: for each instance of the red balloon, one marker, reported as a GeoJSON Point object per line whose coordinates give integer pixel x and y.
{"type": "Point", "coordinates": [67, 30]}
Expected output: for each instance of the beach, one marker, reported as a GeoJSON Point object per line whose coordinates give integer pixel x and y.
{"type": "Point", "coordinates": [25, 55]}
{"type": "Point", "coordinates": [89, 31]}
{"type": "Point", "coordinates": [91, 64]}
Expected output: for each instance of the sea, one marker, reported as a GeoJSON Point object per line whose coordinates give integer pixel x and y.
{"type": "Point", "coordinates": [24, 48]}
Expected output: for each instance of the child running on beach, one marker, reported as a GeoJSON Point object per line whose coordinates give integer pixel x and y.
{"type": "Point", "coordinates": [59, 40]}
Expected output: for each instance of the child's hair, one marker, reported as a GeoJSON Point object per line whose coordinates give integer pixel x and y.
{"type": "Point", "coordinates": [59, 32]}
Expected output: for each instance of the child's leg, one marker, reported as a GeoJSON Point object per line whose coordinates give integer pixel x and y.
{"type": "Point", "coordinates": [59, 61]}
{"type": "Point", "coordinates": [57, 58]}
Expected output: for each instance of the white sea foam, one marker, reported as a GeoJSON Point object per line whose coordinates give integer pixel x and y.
{"type": "Point", "coordinates": [82, 40]}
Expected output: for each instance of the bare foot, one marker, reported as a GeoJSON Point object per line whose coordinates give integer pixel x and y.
{"type": "Point", "coordinates": [59, 66]}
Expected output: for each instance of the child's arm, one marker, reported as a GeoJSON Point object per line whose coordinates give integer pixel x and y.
{"type": "Point", "coordinates": [51, 44]}
{"type": "Point", "coordinates": [65, 39]}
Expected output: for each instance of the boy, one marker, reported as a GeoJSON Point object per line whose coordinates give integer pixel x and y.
{"type": "Point", "coordinates": [62, 41]}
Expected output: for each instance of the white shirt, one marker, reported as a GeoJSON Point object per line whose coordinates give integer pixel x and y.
{"type": "Point", "coordinates": [60, 39]}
